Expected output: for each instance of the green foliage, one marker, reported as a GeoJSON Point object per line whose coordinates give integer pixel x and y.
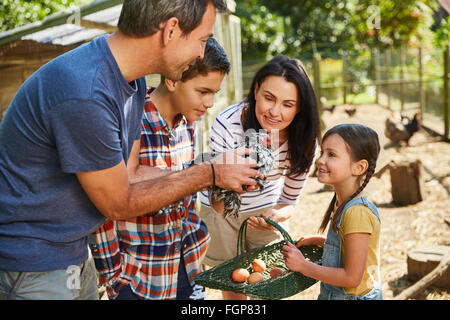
{"type": "Point", "coordinates": [316, 25]}
{"type": "Point", "coordinates": [442, 35]}
{"type": "Point", "coordinates": [16, 13]}
{"type": "Point", "coordinates": [399, 23]}
{"type": "Point", "coordinates": [302, 27]}
{"type": "Point", "coordinates": [262, 32]}
{"type": "Point", "coordinates": [334, 29]}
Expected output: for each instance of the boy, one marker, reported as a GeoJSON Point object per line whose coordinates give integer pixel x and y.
{"type": "Point", "coordinates": [156, 256]}
{"type": "Point", "coordinates": [78, 117]}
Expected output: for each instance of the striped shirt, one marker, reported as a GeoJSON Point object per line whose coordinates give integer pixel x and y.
{"type": "Point", "coordinates": [144, 252]}
{"type": "Point", "coordinates": [227, 133]}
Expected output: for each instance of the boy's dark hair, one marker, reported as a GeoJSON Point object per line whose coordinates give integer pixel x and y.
{"type": "Point", "coordinates": [362, 143]}
{"type": "Point", "coordinates": [141, 18]}
{"type": "Point", "coordinates": [304, 130]}
{"type": "Point", "coordinates": [214, 59]}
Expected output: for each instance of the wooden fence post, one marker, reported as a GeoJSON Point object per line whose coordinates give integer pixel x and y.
{"type": "Point", "coordinates": [421, 89]}
{"type": "Point", "coordinates": [446, 92]}
{"type": "Point", "coordinates": [387, 77]}
{"type": "Point", "coordinates": [316, 71]}
{"type": "Point", "coordinates": [402, 76]}
{"type": "Point", "coordinates": [375, 57]}
{"type": "Point", "coordinates": [316, 67]}
{"type": "Point", "coordinates": [344, 77]}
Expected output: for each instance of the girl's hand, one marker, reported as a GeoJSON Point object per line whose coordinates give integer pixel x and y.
{"type": "Point", "coordinates": [258, 223]}
{"type": "Point", "coordinates": [311, 240]}
{"type": "Point", "coordinates": [293, 257]}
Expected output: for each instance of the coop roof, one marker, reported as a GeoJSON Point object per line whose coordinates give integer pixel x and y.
{"type": "Point", "coordinates": [58, 33]}
{"type": "Point", "coordinates": [445, 4]}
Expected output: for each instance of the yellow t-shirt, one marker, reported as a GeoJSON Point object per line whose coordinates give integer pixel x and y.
{"type": "Point", "coordinates": [360, 219]}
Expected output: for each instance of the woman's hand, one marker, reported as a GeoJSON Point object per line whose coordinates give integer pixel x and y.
{"type": "Point", "coordinates": [279, 213]}
{"type": "Point", "coordinates": [293, 257]}
{"type": "Point", "coordinates": [311, 240]}
{"type": "Point", "coordinates": [259, 223]}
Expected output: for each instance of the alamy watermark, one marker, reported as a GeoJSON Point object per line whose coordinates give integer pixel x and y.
{"type": "Point", "coordinates": [232, 142]}
{"type": "Point", "coordinates": [73, 280]}
{"type": "Point", "coordinates": [374, 20]}
{"type": "Point", "coordinates": [74, 18]}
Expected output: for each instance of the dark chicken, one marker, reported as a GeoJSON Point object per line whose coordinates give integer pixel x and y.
{"type": "Point", "coordinates": [350, 110]}
{"type": "Point", "coordinates": [259, 145]}
{"type": "Point", "coordinates": [325, 107]}
{"type": "Point", "coordinates": [402, 129]}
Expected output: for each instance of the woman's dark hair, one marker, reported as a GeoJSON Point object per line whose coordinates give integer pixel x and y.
{"type": "Point", "coordinates": [214, 59]}
{"type": "Point", "coordinates": [362, 143]}
{"type": "Point", "coordinates": [304, 130]}
{"type": "Point", "coordinates": [141, 18]}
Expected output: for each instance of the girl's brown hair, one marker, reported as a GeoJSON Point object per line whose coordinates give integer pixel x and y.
{"type": "Point", "coordinates": [362, 143]}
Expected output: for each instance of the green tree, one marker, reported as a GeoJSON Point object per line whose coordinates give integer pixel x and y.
{"type": "Point", "coordinates": [400, 22]}
{"type": "Point", "coordinates": [262, 31]}
{"type": "Point", "coordinates": [442, 35]}
{"type": "Point", "coordinates": [323, 25]}
{"type": "Point", "coordinates": [331, 25]}
{"type": "Point", "coordinates": [16, 13]}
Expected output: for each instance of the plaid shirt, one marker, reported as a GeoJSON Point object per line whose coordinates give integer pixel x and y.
{"type": "Point", "coordinates": [144, 252]}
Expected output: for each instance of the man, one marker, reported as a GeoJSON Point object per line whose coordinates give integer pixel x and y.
{"type": "Point", "coordinates": [65, 142]}
{"type": "Point", "coordinates": [156, 256]}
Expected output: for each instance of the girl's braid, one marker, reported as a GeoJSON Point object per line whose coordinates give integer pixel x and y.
{"type": "Point", "coordinates": [327, 216]}
{"type": "Point", "coordinates": [369, 174]}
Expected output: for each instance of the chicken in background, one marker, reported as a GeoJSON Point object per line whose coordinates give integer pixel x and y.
{"type": "Point", "coordinates": [400, 128]}
{"type": "Point", "coordinates": [350, 110]}
{"type": "Point", "coordinates": [325, 107]}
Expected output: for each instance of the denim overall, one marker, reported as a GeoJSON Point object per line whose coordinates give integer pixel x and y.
{"type": "Point", "coordinates": [332, 257]}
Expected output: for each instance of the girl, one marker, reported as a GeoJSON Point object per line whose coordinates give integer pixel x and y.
{"type": "Point", "coordinates": [282, 102]}
{"type": "Point", "coordinates": [350, 261]}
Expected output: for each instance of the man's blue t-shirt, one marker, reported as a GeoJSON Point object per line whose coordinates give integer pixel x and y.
{"type": "Point", "coordinates": [76, 113]}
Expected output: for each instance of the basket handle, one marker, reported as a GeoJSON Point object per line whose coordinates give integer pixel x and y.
{"type": "Point", "coordinates": [242, 235]}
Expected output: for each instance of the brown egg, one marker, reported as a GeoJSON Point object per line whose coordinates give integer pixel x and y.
{"type": "Point", "coordinates": [258, 265]}
{"type": "Point", "coordinates": [255, 277]}
{"type": "Point", "coordinates": [240, 275]}
{"type": "Point", "coordinates": [276, 271]}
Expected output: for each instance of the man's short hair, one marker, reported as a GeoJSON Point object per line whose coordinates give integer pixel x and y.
{"type": "Point", "coordinates": [141, 18]}
{"type": "Point", "coordinates": [214, 59]}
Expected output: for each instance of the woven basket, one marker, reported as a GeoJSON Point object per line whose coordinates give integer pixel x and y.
{"type": "Point", "coordinates": [284, 285]}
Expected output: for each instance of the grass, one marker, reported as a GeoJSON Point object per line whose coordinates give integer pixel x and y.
{"type": "Point", "coordinates": [359, 98]}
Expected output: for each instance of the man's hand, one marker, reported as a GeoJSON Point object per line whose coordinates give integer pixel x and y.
{"type": "Point", "coordinates": [118, 198]}
{"type": "Point", "coordinates": [233, 171]}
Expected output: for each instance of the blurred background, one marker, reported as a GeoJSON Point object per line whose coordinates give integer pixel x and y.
{"type": "Point", "coordinates": [392, 53]}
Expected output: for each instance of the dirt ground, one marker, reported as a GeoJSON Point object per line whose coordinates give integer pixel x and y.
{"type": "Point", "coordinates": [403, 228]}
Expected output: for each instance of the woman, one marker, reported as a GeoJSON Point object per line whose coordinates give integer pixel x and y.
{"type": "Point", "coordinates": [282, 102]}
